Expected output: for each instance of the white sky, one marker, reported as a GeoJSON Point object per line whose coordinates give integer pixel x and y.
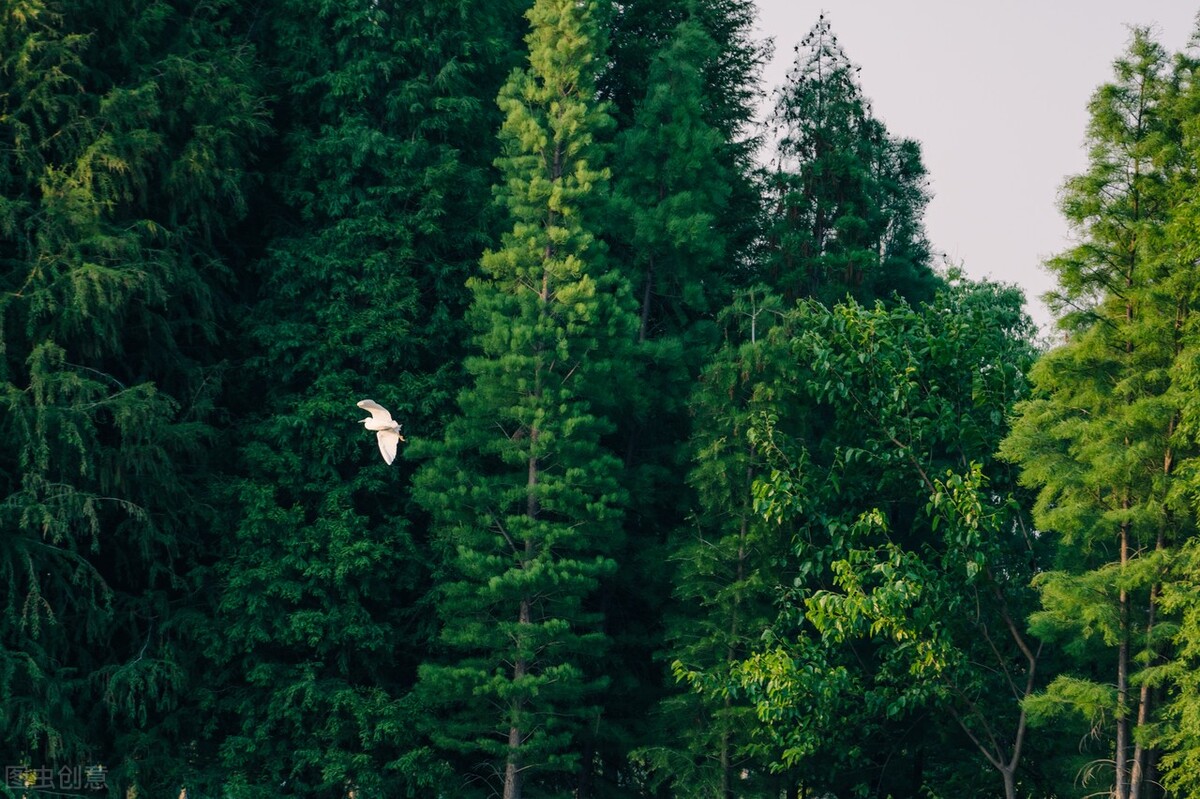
{"type": "Point", "coordinates": [996, 93]}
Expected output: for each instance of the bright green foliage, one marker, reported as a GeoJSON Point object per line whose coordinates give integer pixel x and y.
{"type": "Point", "coordinates": [1181, 728]}
{"type": "Point", "coordinates": [845, 198]}
{"type": "Point", "coordinates": [125, 136]}
{"type": "Point", "coordinates": [1099, 437]}
{"type": "Point", "coordinates": [525, 497]}
{"type": "Point", "coordinates": [908, 561]}
{"type": "Point", "coordinates": [379, 187]}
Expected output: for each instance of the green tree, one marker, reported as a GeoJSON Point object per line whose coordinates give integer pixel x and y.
{"type": "Point", "coordinates": [908, 564]}
{"type": "Point", "coordinates": [376, 206]}
{"type": "Point", "coordinates": [638, 32]}
{"type": "Point", "coordinates": [525, 496]}
{"type": "Point", "coordinates": [1171, 675]}
{"type": "Point", "coordinates": [727, 563]}
{"type": "Point", "coordinates": [126, 135]}
{"type": "Point", "coordinates": [844, 197]}
{"type": "Point", "coordinates": [674, 186]}
{"type": "Point", "coordinates": [672, 236]}
{"type": "Point", "coordinates": [1099, 439]}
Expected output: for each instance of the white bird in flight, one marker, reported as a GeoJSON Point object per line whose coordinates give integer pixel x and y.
{"type": "Point", "coordinates": [385, 427]}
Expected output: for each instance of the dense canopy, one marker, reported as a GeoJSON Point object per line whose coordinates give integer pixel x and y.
{"type": "Point", "coordinates": [714, 482]}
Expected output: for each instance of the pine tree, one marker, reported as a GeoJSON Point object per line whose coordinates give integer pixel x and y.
{"type": "Point", "coordinates": [845, 197]}
{"type": "Point", "coordinates": [526, 498]}
{"type": "Point", "coordinates": [126, 135]}
{"type": "Point", "coordinates": [1098, 440]}
{"type": "Point", "coordinates": [375, 208]}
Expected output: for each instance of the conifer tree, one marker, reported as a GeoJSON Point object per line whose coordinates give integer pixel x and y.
{"type": "Point", "coordinates": [719, 78]}
{"type": "Point", "coordinates": [675, 187]}
{"type": "Point", "coordinates": [639, 31]}
{"type": "Point", "coordinates": [125, 144]}
{"type": "Point", "coordinates": [375, 207]}
{"type": "Point", "coordinates": [845, 197]}
{"type": "Point", "coordinates": [1171, 676]}
{"type": "Point", "coordinates": [672, 195]}
{"type": "Point", "coordinates": [1099, 438]}
{"type": "Point", "coordinates": [726, 563]}
{"type": "Point", "coordinates": [525, 496]}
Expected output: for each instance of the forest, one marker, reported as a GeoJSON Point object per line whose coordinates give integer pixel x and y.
{"type": "Point", "coordinates": [716, 481]}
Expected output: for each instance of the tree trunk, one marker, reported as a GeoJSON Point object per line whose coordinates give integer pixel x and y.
{"type": "Point", "coordinates": [647, 293]}
{"type": "Point", "coordinates": [1121, 756]}
{"type": "Point", "coordinates": [726, 787]}
{"type": "Point", "coordinates": [1138, 777]}
{"type": "Point", "coordinates": [512, 765]}
{"type": "Point", "coordinates": [1138, 768]}
{"type": "Point", "coordinates": [1010, 783]}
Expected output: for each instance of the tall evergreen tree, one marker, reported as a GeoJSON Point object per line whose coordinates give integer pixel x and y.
{"type": "Point", "coordinates": [845, 197]}
{"type": "Point", "coordinates": [673, 195]}
{"type": "Point", "coordinates": [674, 187]}
{"type": "Point", "coordinates": [376, 206]}
{"type": "Point", "coordinates": [525, 496]}
{"type": "Point", "coordinates": [1172, 675]}
{"type": "Point", "coordinates": [639, 31]}
{"type": "Point", "coordinates": [718, 81]}
{"type": "Point", "coordinates": [1099, 438]}
{"type": "Point", "coordinates": [125, 138]}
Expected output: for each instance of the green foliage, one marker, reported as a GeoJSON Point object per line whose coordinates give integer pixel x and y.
{"type": "Point", "coordinates": [525, 496]}
{"type": "Point", "coordinates": [845, 198]}
{"type": "Point", "coordinates": [675, 236]}
{"type": "Point", "coordinates": [1099, 439]}
{"type": "Point", "coordinates": [1178, 731]}
{"type": "Point", "coordinates": [906, 548]}
{"type": "Point", "coordinates": [125, 140]}
{"type": "Point", "coordinates": [727, 564]}
{"type": "Point", "coordinates": [376, 206]}
{"type": "Point", "coordinates": [659, 533]}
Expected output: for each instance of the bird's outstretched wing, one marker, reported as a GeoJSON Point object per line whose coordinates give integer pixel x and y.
{"type": "Point", "coordinates": [377, 411]}
{"type": "Point", "coordinates": [388, 441]}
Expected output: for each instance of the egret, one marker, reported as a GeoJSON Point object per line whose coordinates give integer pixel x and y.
{"type": "Point", "coordinates": [386, 428]}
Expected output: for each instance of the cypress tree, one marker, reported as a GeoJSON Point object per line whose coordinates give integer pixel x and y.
{"type": "Point", "coordinates": [525, 496]}
{"type": "Point", "coordinates": [675, 187]}
{"type": "Point", "coordinates": [125, 144]}
{"type": "Point", "coordinates": [1171, 672]}
{"type": "Point", "coordinates": [673, 195]}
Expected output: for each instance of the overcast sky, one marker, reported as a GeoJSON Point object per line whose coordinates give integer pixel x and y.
{"type": "Point", "coordinates": [997, 96]}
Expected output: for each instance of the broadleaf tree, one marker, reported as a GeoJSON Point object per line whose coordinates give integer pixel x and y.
{"type": "Point", "coordinates": [909, 557]}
